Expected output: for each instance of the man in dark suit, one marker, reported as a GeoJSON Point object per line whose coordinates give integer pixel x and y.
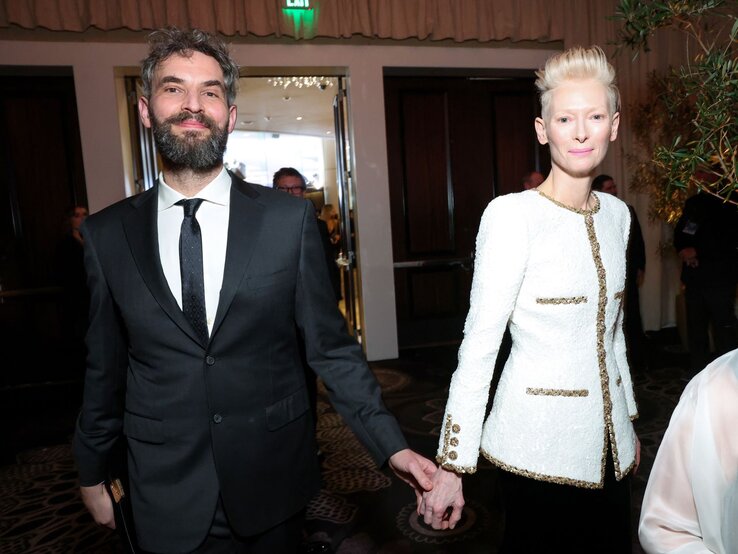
{"type": "Point", "coordinates": [199, 290]}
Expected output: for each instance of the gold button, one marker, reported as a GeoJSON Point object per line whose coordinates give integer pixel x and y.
{"type": "Point", "coordinates": [454, 441]}
{"type": "Point", "coordinates": [456, 428]}
{"type": "Point", "coordinates": [453, 455]}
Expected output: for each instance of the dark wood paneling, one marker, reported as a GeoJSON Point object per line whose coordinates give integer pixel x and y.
{"type": "Point", "coordinates": [453, 144]}
{"type": "Point", "coordinates": [426, 186]}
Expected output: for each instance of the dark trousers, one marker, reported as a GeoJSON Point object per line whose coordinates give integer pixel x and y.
{"type": "Point", "coordinates": [546, 517]}
{"type": "Point", "coordinates": [705, 306]}
{"type": "Point", "coordinates": [284, 538]}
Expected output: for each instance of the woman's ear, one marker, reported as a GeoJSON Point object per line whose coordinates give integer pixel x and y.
{"type": "Point", "coordinates": [541, 131]}
{"type": "Point", "coordinates": [615, 125]}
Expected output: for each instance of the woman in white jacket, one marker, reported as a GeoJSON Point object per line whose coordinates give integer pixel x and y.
{"type": "Point", "coordinates": [691, 501]}
{"type": "Point", "coordinates": [551, 265]}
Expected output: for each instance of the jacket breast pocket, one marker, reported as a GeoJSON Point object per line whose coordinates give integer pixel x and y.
{"type": "Point", "coordinates": [143, 429]}
{"type": "Point", "coordinates": [562, 300]}
{"type": "Point", "coordinates": [259, 282]}
{"type": "Point", "coordinates": [286, 410]}
{"type": "Point", "coordinates": [533, 391]}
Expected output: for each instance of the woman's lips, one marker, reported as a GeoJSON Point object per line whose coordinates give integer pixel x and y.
{"type": "Point", "coordinates": [580, 151]}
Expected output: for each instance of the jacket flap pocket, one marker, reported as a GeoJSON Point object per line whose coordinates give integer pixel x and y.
{"type": "Point", "coordinates": [556, 392]}
{"type": "Point", "coordinates": [143, 428]}
{"type": "Point", "coordinates": [562, 300]}
{"type": "Point", "coordinates": [288, 409]}
{"type": "Point", "coordinates": [261, 281]}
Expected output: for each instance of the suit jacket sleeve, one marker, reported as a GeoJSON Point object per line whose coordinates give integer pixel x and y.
{"type": "Point", "coordinates": [101, 419]}
{"type": "Point", "coordinates": [334, 355]}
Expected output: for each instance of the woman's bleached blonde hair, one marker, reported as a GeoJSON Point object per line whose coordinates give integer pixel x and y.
{"type": "Point", "coordinates": [576, 64]}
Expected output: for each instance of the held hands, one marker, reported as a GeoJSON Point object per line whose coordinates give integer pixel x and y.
{"type": "Point", "coordinates": [99, 504]}
{"type": "Point", "coordinates": [442, 506]}
{"type": "Point", "coordinates": [415, 470]}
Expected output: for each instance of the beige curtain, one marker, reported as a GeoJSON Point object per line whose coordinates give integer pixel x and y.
{"type": "Point", "coordinates": [477, 21]}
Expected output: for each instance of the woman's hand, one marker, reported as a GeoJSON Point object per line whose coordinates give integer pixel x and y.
{"type": "Point", "coordinates": [442, 505]}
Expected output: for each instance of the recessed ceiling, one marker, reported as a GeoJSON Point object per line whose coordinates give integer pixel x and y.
{"type": "Point", "coordinates": [264, 107]}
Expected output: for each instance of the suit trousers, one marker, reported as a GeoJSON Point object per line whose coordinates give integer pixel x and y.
{"type": "Point", "coordinates": [221, 539]}
{"type": "Point", "coordinates": [547, 517]}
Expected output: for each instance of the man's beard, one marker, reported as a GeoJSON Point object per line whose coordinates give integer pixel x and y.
{"type": "Point", "coordinates": [190, 150]}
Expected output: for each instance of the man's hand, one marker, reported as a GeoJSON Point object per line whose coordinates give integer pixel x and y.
{"type": "Point", "coordinates": [415, 470]}
{"type": "Point", "coordinates": [441, 507]}
{"type": "Point", "coordinates": [100, 505]}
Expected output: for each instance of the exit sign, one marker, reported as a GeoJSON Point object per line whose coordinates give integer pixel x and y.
{"type": "Point", "coordinates": [297, 4]}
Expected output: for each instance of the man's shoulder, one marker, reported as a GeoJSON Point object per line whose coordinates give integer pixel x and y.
{"type": "Point", "coordinates": [118, 210]}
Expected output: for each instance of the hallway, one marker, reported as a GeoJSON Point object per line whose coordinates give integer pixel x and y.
{"type": "Point", "coordinates": [360, 509]}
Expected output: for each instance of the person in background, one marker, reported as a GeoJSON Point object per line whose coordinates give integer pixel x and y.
{"type": "Point", "coordinates": [291, 181]}
{"type": "Point", "coordinates": [551, 263]}
{"type": "Point", "coordinates": [200, 287]}
{"type": "Point", "coordinates": [691, 500]}
{"type": "Point", "coordinates": [69, 269]}
{"type": "Point", "coordinates": [636, 272]}
{"type": "Point", "coordinates": [532, 179]}
{"type": "Point", "coordinates": [706, 239]}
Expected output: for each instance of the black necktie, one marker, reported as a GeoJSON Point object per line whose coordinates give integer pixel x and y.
{"type": "Point", "coordinates": [190, 265]}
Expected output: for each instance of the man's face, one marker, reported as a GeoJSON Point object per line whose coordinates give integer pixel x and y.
{"type": "Point", "coordinates": [610, 187]}
{"type": "Point", "coordinates": [79, 215]}
{"type": "Point", "coordinates": [292, 185]}
{"type": "Point", "coordinates": [188, 112]}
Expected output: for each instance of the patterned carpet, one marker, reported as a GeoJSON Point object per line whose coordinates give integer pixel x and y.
{"type": "Point", "coordinates": [361, 509]}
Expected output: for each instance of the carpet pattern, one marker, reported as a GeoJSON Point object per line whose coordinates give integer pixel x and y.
{"type": "Point", "coordinates": [361, 509]}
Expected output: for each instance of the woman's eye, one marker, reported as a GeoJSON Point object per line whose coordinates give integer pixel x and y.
{"type": "Point", "coordinates": [563, 119]}
{"type": "Point", "coordinates": [598, 117]}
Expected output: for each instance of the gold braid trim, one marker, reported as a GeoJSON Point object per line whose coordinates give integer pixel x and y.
{"type": "Point", "coordinates": [542, 477]}
{"type": "Point", "coordinates": [448, 454]}
{"type": "Point", "coordinates": [557, 392]}
{"type": "Point", "coordinates": [563, 300]}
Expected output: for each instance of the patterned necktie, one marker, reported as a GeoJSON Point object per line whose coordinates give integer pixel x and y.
{"type": "Point", "coordinates": [190, 265]}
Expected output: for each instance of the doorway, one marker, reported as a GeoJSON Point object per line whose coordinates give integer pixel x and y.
{"type": "Point", "coordinates": [287, 120]}
{"type": "Point", "coordinates": [453, 144]}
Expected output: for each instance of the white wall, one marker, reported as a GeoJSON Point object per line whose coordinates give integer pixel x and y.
{"type": "Point", "coordinates": [93, 65]}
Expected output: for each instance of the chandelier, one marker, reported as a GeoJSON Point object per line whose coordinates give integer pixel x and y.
{"type": "Point", "coordinates": [301, 82]}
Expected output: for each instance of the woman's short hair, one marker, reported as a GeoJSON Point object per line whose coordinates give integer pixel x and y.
{"type": "Point", "coordinates": [574, 64]}
{"type": "Point", "coordinates": [166, 42]}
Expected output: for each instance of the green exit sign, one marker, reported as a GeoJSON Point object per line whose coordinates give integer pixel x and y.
{"type": "Point", "coordinates": [297, 4]}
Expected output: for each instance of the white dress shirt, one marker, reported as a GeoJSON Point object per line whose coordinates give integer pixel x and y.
{"type": "Point", "coordinates": [213, 219]}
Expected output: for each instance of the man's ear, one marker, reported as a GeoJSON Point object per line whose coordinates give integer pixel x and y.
{"type": "Point", "coordinates": [143, 112]}
{"type": "Point", "coordinates": [232, 116]}
{"type": "Point", "coordinates": [541, 131]}
{"type": "Point", "coordinates": [615, 125]}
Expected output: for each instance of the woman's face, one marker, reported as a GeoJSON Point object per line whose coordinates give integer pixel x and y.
{"type": "Point", "coordinates": [579, 127]}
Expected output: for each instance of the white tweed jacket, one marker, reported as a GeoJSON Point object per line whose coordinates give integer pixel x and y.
{"type": "Point", "coordinates": [557, 276]}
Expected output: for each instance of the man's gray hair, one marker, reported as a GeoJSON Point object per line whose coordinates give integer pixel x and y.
{"type": "Point", "coordinates": [166, 42]}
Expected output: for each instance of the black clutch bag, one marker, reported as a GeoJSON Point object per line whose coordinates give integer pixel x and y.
{"type": "Point", "coordinates": [117, 487]}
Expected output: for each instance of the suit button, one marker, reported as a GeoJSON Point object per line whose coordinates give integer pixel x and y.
{"type": "Point", "coordinates": [210, 360]}
{"type": "Point", "coordinates": [217, 418]}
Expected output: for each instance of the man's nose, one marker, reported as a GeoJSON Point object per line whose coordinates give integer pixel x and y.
{"type": "Point", "coordinates": [192, 103]}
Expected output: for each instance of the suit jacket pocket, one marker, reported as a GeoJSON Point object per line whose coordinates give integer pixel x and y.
{"type": "Point", "coordinates": [536, 391]}
{"type": "Point", "coordinates": [143, 428]}
{"type": "Point", "coordinates": [288, 409]}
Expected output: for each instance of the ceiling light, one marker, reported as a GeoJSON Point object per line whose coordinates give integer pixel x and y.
{"type": "Point", "coordinates": [299, 118]}
{"type": "Point", "coordinates": [305, 81]}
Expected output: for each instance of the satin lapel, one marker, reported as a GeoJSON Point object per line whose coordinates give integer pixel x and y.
{"type": "Point", "coordinates": [141, 230]}
{"type": "Point", "coordinates": [244, 223]}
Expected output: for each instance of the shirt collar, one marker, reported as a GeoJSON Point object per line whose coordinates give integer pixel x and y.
{"type": "Point", "coordinates": [217, 191]}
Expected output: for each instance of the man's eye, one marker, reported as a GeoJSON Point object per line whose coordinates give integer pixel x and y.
{"type": "Point", "coordinates": [211, 94]}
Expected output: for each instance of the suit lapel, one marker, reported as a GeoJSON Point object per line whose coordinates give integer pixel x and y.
{"type": "Point", "coordinates": [244, 223]}
{"type": "Point", "coordinates": [141, 230]}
